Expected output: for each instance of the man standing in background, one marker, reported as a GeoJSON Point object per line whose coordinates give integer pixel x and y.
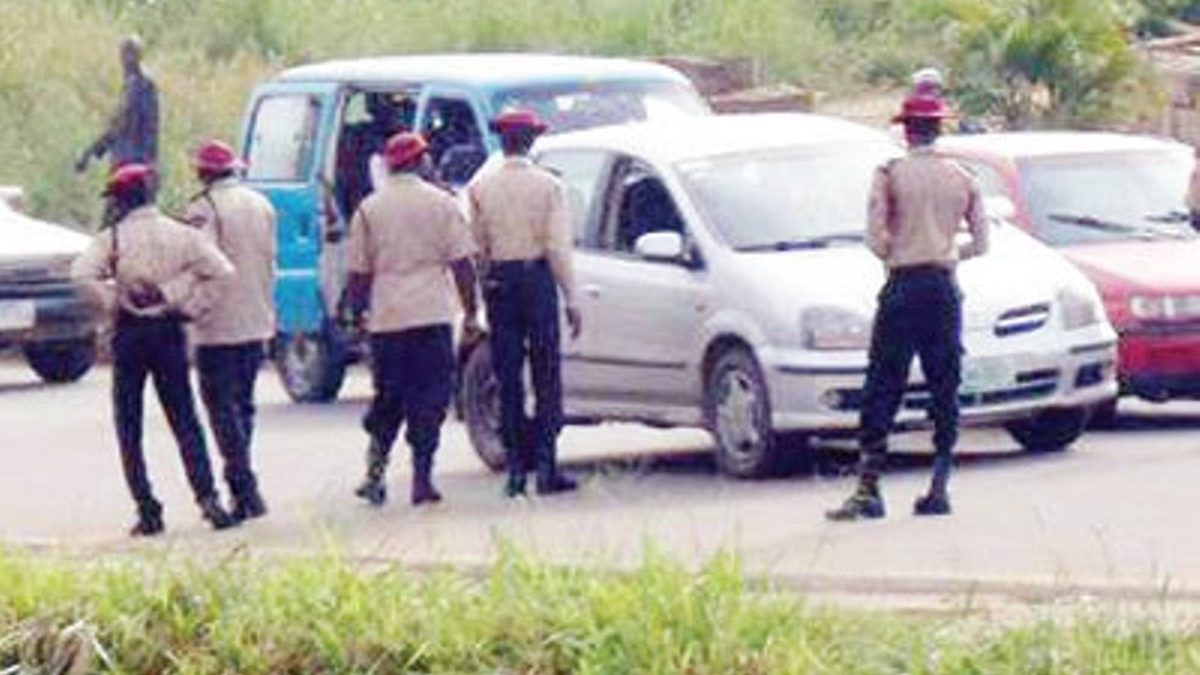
{"type": "Point", "coordinates": [231, 337]}
{"type": "Point", "coordinates": [132, 132]}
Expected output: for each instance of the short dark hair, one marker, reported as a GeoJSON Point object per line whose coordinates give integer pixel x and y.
{"type": "Point", "coordinates": [518, 142]}
{"type": "Point", "coordinates": [923, 130]}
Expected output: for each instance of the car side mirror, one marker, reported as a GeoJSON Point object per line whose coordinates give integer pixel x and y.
{"type": "Point", "coordinates": [664, 246]}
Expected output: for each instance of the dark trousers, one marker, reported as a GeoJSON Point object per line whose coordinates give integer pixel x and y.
{"type": "Point", "coordinates": [413, 372]}
{"type": "Point", "coordinates": [227, 377]}
{"type": "Point", "coordinates": [1195, 220]}
{"type": "Point", "coordinates": [920, 313]}
{"type": "Point", "coordinates": [522, 305]}
{"type": "Point", "coordinates": [156, 348]}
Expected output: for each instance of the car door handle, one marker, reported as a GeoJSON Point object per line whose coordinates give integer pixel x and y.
{"type": "Point", "coordinates": [591, 290]}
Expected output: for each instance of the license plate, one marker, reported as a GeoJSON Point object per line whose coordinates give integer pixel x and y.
{"type": "Point", "coordinates": [17, 314]}
{"type": "Point", "coordinates": [986, 375]}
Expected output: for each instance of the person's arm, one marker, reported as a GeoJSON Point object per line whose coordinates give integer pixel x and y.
{"type": "Point", "coordinates": [193, 291]}
{"type": "Point", "coordinates": [104, 143]}
{"type": "Point", "coordinates": [977, 223]}
{"type": "Point", "coordinates": [560, 247]}
{"type": "Point", "coordinates": [879, 215]}
{"type": "Point", "coordinates": [92, 271]}
{"type": "Point", "coordinates": [459, 251]}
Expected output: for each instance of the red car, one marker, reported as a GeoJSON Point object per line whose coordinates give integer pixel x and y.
{"type": "Point", "coordinates": [1114, 204]}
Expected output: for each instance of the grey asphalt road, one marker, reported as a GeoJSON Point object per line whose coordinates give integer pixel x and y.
{"type": "Point", "coordinates": [1114, 515]}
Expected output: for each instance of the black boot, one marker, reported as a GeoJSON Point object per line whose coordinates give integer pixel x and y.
{"type": "Point", "coordinates": [423, 490]}
{"type": "Point", "coordinates": [934, 503]}
{"type": "Point", "coordinates": [212, 511]}
{"type": "Point", "coordinates": [249, 506]}
{"type": "Point", "coordinates": [866, 502]}
{"type": "Point", "coordinates": [372, 488]}
{"type": "Point", "coordinates": [518, 469]}
{"type": "Point", "coordinates": [549, 480]}
{"type": "Point", "coordinates": [149, 522]}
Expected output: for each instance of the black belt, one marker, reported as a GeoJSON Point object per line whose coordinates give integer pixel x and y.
{"type": "Point", "coordinates": [922, 270]}
{"type": "Point", "coordinates": [532, 263]}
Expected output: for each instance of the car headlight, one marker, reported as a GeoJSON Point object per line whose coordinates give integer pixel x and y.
{"type": "Point", "coordinates": [1165, 307]}
{"type": "Point", "coordinates": [1079, 309]}
{"type": "Point", "coordinates": [834, 329]}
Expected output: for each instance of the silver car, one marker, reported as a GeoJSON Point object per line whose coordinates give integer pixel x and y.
{"type": "Point", "coordinates": [725, 284]}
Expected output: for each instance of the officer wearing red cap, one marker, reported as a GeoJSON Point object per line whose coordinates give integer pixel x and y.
{"type": "Point", "coordinates": [403, 239]}
{"type": "Point", "coordinates": [149, 271]}
{"type": "Point", "coordinates": [521, 222]}
{"type": "Point", "coordinates": [232, 336]}
{"type": "Point", "coordinates": [917, 205]}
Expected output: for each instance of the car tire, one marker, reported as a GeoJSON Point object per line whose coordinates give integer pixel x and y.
{"type": "Point", "coordinates": [738, 411]}
{"type": "Point", "coordinates": [61, 361]}
{"type": "Point", "coordinates": [311, 366]}
{"type": "Point", "coordinates": [1050, 430]}
{"type": "Point", "coordinates": [479, 401]}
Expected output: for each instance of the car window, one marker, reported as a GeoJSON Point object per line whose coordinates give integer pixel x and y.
{"type": "Point", "coordinates": [568, 108]}
{"type": "Point", "coordinates": [1118, 196]}
{"type": "Point", "coordinates": [642, 204]}
{"type": "Point", "coordinates": [283, 137]}
{"type": "Point", "coordinates": [582, 172]}
{"type": "Point", "coordinates": [773, 198]}
{"type": "Point", "coordinates": [455, 140]}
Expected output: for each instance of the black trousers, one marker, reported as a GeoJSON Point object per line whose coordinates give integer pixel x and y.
{"type": "Point", "coordinates": [522, 306]}
{"type": "Point", "coordinates": [920, 313]}
{"type": "Point", "coordinates": [413, 373]}
{"type": "Point", "coordinates": [227, 377]}
{"type": "Point", "coordinates": [155, 348]}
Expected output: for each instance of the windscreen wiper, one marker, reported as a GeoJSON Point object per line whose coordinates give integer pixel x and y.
{"type": "Point", "coordinates": [1094, 223]}
{"type": "Point", "coordinates": [821, 241]}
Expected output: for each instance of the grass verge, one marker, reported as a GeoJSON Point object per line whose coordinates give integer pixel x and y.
{"type": "Point", "coordinates": [328, 615]}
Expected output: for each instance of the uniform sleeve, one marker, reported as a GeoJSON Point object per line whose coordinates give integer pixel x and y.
{"type": "Point", "coordinates": [560, 241]}
{"type": "Point", "coordinates": [205, 265]}
{"type": "Point", "coordinates": [357, 259]}
{"type": "Point", "coordinates": [475, 217]}
{"type": "Point", "coordinates": [459, 243]}
{"type": "Point", "coordinates": [879, 238]}
{"type": "Point", "coordinates": [92, 270]}
{"type": "Point", "coordinates": [977, 222]}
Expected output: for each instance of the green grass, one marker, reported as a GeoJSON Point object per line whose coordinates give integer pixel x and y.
{"type": "Point", "coordinates": [329, 615]}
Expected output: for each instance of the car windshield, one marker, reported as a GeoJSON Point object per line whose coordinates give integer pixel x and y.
{"type": "Point", "coordinates": [1117, 197]}
{"type": "Point", "coordinates": [592, 105]}
{"type": "Point", "coordinates": [801, 197]}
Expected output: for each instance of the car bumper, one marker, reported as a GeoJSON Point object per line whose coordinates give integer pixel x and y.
{"type": "Point", "coordinates": [1160, 365]}
{"type": "Point", "coordinates": [44, 313]}
{"type": "Point", "coordinates": [824, 396]}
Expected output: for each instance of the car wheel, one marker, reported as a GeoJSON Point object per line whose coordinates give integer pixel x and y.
{"type": "Point", "coordinates": [1104, 416]}
{"type": "Point", "coordinates": [61, 361]}
{"type": "Point", "coordinates": [311, 366]}
{"type": "Point", "coordinates": [479, 400]}
{"type": "Point", "coordinates": [1049, 430]}
{"type": "Point", "coordinates": [739, 415]}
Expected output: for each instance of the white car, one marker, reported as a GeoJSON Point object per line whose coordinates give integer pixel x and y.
{"type": "Point", "coordinates": [41, 311]}
{"type": "Point", "coordinates": [724, 283]}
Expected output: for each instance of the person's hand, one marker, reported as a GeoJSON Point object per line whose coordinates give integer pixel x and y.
{"type": "Point", "coordinates": [472, 332]}
{"type": "Point", "coordinates": [81, 164]}
{"type": "Point", "coordinates": [574, 321]}
{"type": "Point", "coordinates": [143, 294]}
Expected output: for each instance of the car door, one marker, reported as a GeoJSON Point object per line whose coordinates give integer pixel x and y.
{"type": "Point", "coordinates": [286, 130]}
{"type": "Point", "coordinates": [642, 317]}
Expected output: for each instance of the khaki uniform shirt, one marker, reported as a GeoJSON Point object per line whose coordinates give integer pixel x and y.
{"type": "Point", "coordinates": [152, 249]}
{"type": "Point", "coordinates": [405, 236]}
{"type": "Point", "coordinates": [242, 222]}
{"type": "Point", "coordinates": [519, 212]}
{"type": "Point", "coordinates": [917, 206]}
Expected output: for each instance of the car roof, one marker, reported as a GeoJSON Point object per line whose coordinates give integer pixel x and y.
{"type": "Point", "coordinates": [694, 137]}
{"type": "Point", "coordinates": [489, 71]}
{"type": "Point", "coordinates": [1029, 144]}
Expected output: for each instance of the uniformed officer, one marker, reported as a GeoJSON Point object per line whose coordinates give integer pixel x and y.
{"type": "Point", "coordinates": [917, 206]}
{"type": "Point", "coordinates": [521, 222]}
{"type": "Point", "coordinates": [232, 336]}
{"type": "Point", "coordinates": [151, 271]}
{"type": "Point", "coordinates": [403, 238]}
